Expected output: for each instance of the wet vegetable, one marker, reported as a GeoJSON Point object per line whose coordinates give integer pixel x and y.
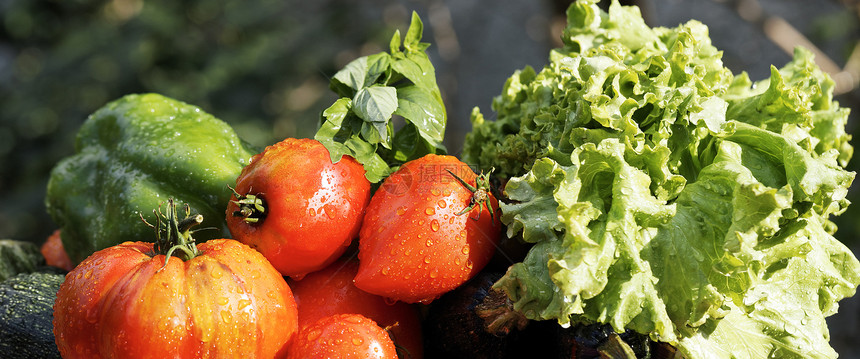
{"type": "Point", "coordinates": [133, 154]}
{"type": "Point", "coordinates": [174, 298]}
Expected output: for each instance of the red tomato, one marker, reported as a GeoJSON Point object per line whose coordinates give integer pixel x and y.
{"type": "Point", "coordinates": [342, 336]}
{"type": "Point", "coordinates": [123, 302]}
{"type": "Point", "coordinates": [416, 243]}
{"type": "Point", "coordinates": [331, 291]}
{"type": "Point", "coordinates": [54, 252]}
{"type": "Point", "coordinates": [308, 210]}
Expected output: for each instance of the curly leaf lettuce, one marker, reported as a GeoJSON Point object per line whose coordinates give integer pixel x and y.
{"type": "Point", "coordinates": [664, 194]}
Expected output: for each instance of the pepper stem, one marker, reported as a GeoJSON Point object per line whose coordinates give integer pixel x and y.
{"type": "Point", "coordinates": [172, 235]}
{"type": "Point", "coordinates": [251, 207]}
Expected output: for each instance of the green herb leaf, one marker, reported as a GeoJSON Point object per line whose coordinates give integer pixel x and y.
{"type": "Point", "coordinates": [373, 89]}
{"type": "Point", "coordinates": [375, 103]}
{"type": "Point", "coordinates": [360, 73]}
{"type": "Point", "coordinates": [423, 108]}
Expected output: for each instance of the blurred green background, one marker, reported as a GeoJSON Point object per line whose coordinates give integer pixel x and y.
{"type": "Point", "coordinates": [263, 66]}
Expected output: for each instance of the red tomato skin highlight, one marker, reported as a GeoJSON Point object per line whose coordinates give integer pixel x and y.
{"type": "Point", "coordinates": [413, 247]}
{"type": "Point", "coordinates": [331, 291]}
{"type": "Point", "coordinates": [342, 336]}
{"type": "Point", "coordinates": [314, 207]}
{"type": "Point", "coordinates": [123, 303]}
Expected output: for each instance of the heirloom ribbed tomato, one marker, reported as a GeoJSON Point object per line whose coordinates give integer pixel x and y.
{"type": "Point", "coordinates": [429, 228]}
{"type": "Point", "coordinates": [221, 299]}
{"type": "Point", "coordinates": [298, 208]}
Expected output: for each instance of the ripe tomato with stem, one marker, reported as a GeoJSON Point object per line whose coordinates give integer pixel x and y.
{"type": "Point", "coordinates": [174, 299]}
{"type": "Point", "coordinates": [430, 227]}
{"type": "Point", "coordinates": [298, 208]}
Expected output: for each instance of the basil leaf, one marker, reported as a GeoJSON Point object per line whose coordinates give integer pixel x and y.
{"type": "Point", "coordinates": [360, 73]}
{"type": "Point", "coordinates": [423, 109]}
{"type": "Point", "coordinates": [375, 87]}
{"type": "Point", "coordinates": [375, 104]}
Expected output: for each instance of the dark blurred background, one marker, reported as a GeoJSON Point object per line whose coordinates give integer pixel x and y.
{"type": "Point", "coordinates": [263, 66]}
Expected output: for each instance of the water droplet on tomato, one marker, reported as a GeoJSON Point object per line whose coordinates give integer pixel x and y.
{"type": "Point", "coordinates": [442, 203]}
{"type": "Point", "coordinates": [434, 225]}
{"type": "Point", "coordinates": [329, 210]}
{"type": "Point", "coordinates": [435, 191]}
{"type": "Point", "coordinates": [244, 303]}
{"type": "Point", "coordinates": [352, 319]}
{"type": "Point", "coordinates": [88, 274]}
{"type": "Point", "coordinates": [427, 259]}
{"type": "Point", "coordinates": [313, 335]}
{"type": "Point", "coordinates": [162, 325]}
{"type": "Point", "coordinates": [312, 212]}
{"type": "Point", "coordinates": [222, 301]}
{"type": "Point", "coordinates": [207, 336]}
{"type": "Point", "coordinates": [465, 250]}
{"type": "Point", "coordinates": [92, 315]}
{"type": "Point", "coordinates": [226, 316]}
{"type": "Point", "coordinates": [429, 242]}
{"type": "Point", "coordinates": [385, 270]}
{"type": "Point", "coordinates": [357, 341]}
{"type": "Point", "coordinates": [400, 210]}
{"type": "Point", "coordinates": [434, 273]}
{"type": "Point", "coordinates": [216, 274]}
{"type": "Point", "coordinates": [469, 264]}
{"type": "Point", "coordinates": [430, 211]}
{"type": "Point", "coordinates": [446, 192]}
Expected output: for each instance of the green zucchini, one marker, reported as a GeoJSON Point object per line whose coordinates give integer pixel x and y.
{"type": "Point", "coordinates": [26, 314]}
{"type": "Point", "coordinates": [18, 257]}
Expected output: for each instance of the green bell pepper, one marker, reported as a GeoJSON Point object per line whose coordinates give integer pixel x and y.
{"type": "Point", "coordinates": [131, 156]}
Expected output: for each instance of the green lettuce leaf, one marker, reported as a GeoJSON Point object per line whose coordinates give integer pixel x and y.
{"type": "Point", "coordinates": [664, 194]}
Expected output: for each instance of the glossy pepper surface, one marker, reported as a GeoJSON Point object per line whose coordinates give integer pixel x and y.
{"type": "Point", "coordinates": [133, 154]}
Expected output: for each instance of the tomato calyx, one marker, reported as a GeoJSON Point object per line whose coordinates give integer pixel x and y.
{"type": "Point", "coordinates": [251, 207]}
{"type": "Point", "coordinates": [499, 315]}
{"type": "Point", "coordinates": [480, 193]}
{"type": "Point", "coordinates": [172, 235]}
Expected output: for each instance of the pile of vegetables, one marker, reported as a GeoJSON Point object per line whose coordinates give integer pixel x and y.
{"type": "Point", "coordinates": [633, 198]}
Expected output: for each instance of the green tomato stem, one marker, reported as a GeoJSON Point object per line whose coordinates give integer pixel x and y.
{"type": "Point", "coordinates": [251, 207]}
{"type": "Point", "coordinates": [172, 235]}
